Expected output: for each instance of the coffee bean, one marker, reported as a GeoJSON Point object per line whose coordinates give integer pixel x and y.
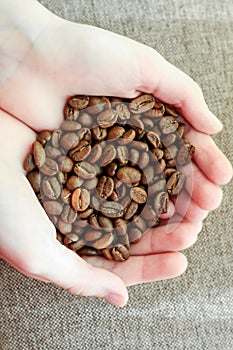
{"type": "Point", "coordinates": [81, 151]}
{"type": "Point", "coordinates": [50, 167]}
{"type": "Point", "coordinates": [90, 184]}
{"type": "Point", "coordinates": [88, 251]}
{"type": "Point", "coordinates": [105, 187]}
{"type": "Point", "coordinates": [122, 155]}
{"type": "Point", "coordinates": [115, 132]}
{"type": "Point", "coordinates": [134, 156]}
{"type": "Point", "coordinates": [120, 253]}
{"type": "Point", "coordinates": [55, 138]}
{"type": "Point", "coordinates": [138, 195]}
{"type": "Point", "coordinates": [142, 104]}
{"type": "Point", "coordinates": [68, 214]}
{"type": "Point", "coordinates": [29, 163]}
{"type": "Point", "coordinates": [171, 111]}
{"type": "Point", "coordinates": [122, 111]}
{"type": "Point", "coordinates": [86, 213]}
{"type": "Point", "coordinates": [105, 223]}
{"type": "Point", "coordinates": [128, 174]}
{"type": "Point", "coordinates": [52, 152]}
{"type": "Point", "coordinates": [64, 227]}
{"type": "Point", "coordinates": [66, 195]}
{"type": "Point", "coordinates": [153, 138]}
{"type": "Point", "coordinates": [98, 104]}
{"type": "Point", "coordinates": [34, 177]}
{"type": "Point", "coordinates": [128, 137]}
{"type": "Point", "coordinates": [51, 187]}
{"type": "Point", "coordinates": [92, 235]}
{"type": "Point", "coordinates": [168, 125]}
{"type": "Point", "coordinates": [175, 183]}
{"type": "Point", "coordinates": [52, 207]}
{"type": "Point", "coordinates": [79, 102]}
{"type": "Point", "coordinates": [73, 182]}
{"type": "Point", "coordinates": [69, 141]}
{"type": "Point", "coordinates": [84, 170]}
{"type": "Point", "coordinates": [108, 155]}
{"type": "Point", "coordinates": [98, 133]}
{"type": "Point", "coordinates": [104, 241]}
{"type": "Point", "coordinates": [131, 210]}
{"type": "Point", "coordinates": [70, 238]}
{"type": "Point", "coordinates": [80, 199]}
{"type": "Point", "coordinates": [135, 235]}
{"type": "Point", "coordinates": [65, 164]}
{"type": "Point", "coordinates": [85, 119]}
{"type": "Point", "coordinates": [161, 200]}
{"type": "Point", "coordinates": [95, 154]}
{"type": "Point", "coordinates": [107, 118]}
{"type": "Point", "coordinates": [112, 210]}
{"type": "Point", "coordinates": [144, 160]}
{"type": "Point", "coordinates": [70, 125]}
{"type": "Point", "coordinates": [38, 154]}
{"type": "Point", "coordinates": [44, 136]}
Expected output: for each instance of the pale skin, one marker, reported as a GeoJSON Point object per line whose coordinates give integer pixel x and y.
{"type": "Point", "coordinates": [45, 59]}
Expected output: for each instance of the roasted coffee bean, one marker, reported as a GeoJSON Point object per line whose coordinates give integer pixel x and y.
{"type": "Point", "coordinates": [79, 102]}
{"type": "Point", "coordinates": [77, 245]}
{"type": "Point", "coordinates": [52, 152]}
{"type": "Point", "coordinates": [128, 174]}
{"type": "Point", "coordinates": [158, 186]}
{"type": "Point", "coordinates": [171, 111]}
{"type": "Point", "coordinates": [86, 120]}
{"type": "Point", "coordinates": [70, 125]}
{"type": "Point", "coordinates": [98, 133]}
{"type": "Point", "coordinates": [90, 184]}
{"type": "Point", "coordinates": [55, 138]}
{"type": "Point", "coordinates": [38, 154]}
{"type": "Point", "coordinates": [74, 182]}
{"type": "Point", "coordinates": [81, 151]}
{"type": "Point", "coordinates": [50, 167]}
{"type": "Point", "coordinates": [139, 223]}
{"type": "Point", "coordinates": [59, 237]}
{"type": "Point", "coordinates": [105, 187]}
{"type": "Point", "coordinates": [69, 141]}
{"type": "Point", "coordinates": [142, 104]}
{"type": "Point", "coordinates": [138, 195]}
{"type": "Point", "coordinates": [69, 113]}
{"type": "Point", "coordinates": [88, 251]}
{"type": "Point", "coordinates": [104, 241]}
{"type": "Point", "coordinates": [168, 125]}
{"type": "Point", "coordinates": [86, 213]}
{"type": "Point", "coordinates": [122, 111]}
{"type": "Point", "coordinates": [175, 183]}
{"type": "Point", "coordinates": [158, 153]}
{"type": "Point", "coordinates": [95, 154]}
{"type": "Point", "coordinates": [131, 210]}
{"type": "Point", "coordinates": [122, 155]}
{"type": "Point", "coordinates": [92, 235]}
{"type": "Point", "coordinates": [108, 155]}
{"type": "Point", "coordinates": [29, 163]}
{"type": "Point", "coordinates": [52, 207]}
{"type": "Point", "coordinates": [111, 169]}
{"type": "Point", "coordinates": [112, 209]}
{"type": "Point", "coordinates": [120, 252]}
{"type": "Point", "coordinates": [80, 199]}
{"type": "Point", "coordinates": [65, 164]}
{"type": "Point", "coordinates": [84, 134]}
{"type": "Point", "coordinates": [34, 177]}
{"type": "Point", "coordinates": [84, 170]}
{"type": "Point", "coordinates": [148, 175]}
{"type": "Point", "coordinates": [64, 227]}
{"type": "Point", "coordinates": [148, 212]}
{"type": "Point", "coordinates": [134, 156]}
{"type": "Point", "coordinates": [44, 136]}
{"type": "Point", "coordinates": [68, 215]}
{"type": "Point", "coordinates": [115, 132]}
{"type": "Point", "coordinates": [153, 138]}
{"type": "Point", "coordinates": [161, 201]}
{"type": "Point", "coordinates": [121, 226]}
{"type": "Point", "coordinates": [127, 137]}
{"type": "Point", "coordinates": [105, 223]}
{"type": "Point", "coordinates": [51, 187]}
{"type": "Point", "coordinates": [107, 118]}
{"type": "Point", "coordinates": [144, 160]}
{"type": "Point", "coordinates": [169, 139]}
{"type": "Point", "coordinates": [97, 104]}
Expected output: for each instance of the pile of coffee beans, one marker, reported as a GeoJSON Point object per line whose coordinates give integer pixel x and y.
{"type": "Point", "coordinates": [107, 174]}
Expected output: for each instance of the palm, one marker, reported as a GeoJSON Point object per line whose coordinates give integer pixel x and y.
{"type": "Point", "coordinates": [56, 68]}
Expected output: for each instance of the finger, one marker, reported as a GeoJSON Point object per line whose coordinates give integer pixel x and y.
{"type": "Point", "coordinates": [142, 269]}
{"type": "Point", "coordinates": [204, 193]}
{"type": "Point", "coordinates": [188, 209]}
{"type": "Point", "coordinates": [208, 157]}
{"type": "Point", "coordinates": [173, 86]}
{"type": "Point", "coordinates": [157, 240]}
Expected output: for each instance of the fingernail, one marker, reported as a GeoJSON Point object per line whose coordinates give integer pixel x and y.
{"type": "Point", "coordinates": [115, 299]}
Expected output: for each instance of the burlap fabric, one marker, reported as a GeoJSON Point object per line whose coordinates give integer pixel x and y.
{"type": "Point", "coordinates": [194, 311]}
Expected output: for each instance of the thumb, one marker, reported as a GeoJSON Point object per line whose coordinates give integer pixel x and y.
{"type": "Point", "coordinates": [71, 272]}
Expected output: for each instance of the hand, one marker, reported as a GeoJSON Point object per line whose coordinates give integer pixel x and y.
{"type": "Point", "coordinates": [62, 60]}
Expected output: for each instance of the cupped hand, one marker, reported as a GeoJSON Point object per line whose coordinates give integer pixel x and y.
{"type": "Point", "coordinates": [66, 59]}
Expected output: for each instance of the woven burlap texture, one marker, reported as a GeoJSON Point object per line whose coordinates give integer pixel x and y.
{"type": "Point", "coordinates": [195, 310]}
